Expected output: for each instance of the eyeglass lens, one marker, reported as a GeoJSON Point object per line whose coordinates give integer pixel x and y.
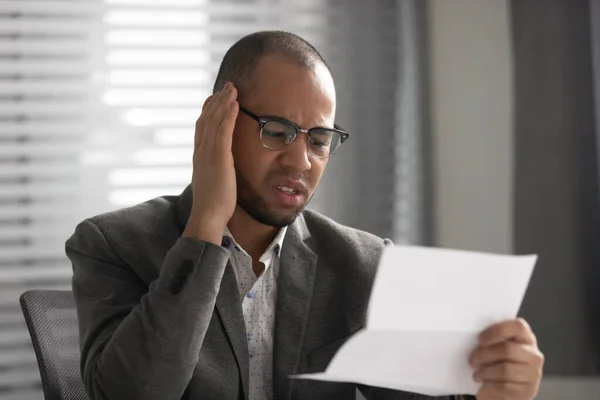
{"type": "Point", "coordinates": [278, 135]}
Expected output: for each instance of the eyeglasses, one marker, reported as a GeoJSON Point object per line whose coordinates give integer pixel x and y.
{"type": "Point", "coordinates": [277, 133]}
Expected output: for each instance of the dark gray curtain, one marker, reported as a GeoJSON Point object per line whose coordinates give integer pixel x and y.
{"type": "Point", "coordinates": [413, 143]}
{"type": "Point", "coordinates": [379, 180]}
{"type": "Point", "coordinates": [357, 186]}
{"type": "Point", "coordinates": [557, 212]}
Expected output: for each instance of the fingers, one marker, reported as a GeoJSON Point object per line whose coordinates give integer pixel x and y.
{"type": "Point", "coordinates": [219, 108]}
{"type": "Point", "coordinates": [199, 121]}
{"type": "Point", "coordinates": [228, 124]}
{"type": "Point", "coordinates": [506, 391]}
{"type": "Point", "coordinates": [506, 372]}
{"type": "Point", "coordinates": [508, 351]}
{"type": "Point", "coordinates": [517, 330]}
{"type": "Point", "coordinates": [508, 362]}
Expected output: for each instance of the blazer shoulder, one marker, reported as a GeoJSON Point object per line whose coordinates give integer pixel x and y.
{"type": "Point", "coordinates": [146, 217]}
{"type": "Point", "coordinates": [342, 243]}
{"type": "Point", "coordinates": [322, 227]}
{"type": "Point", "coordinates": [129, 230]}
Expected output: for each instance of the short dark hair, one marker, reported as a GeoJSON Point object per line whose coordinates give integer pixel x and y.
{"type": "Point", "coordinates": [241, 59]}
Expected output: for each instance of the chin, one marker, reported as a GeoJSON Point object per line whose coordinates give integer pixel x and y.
{"type": "Point", "coordinates": [281, 220]}
{"type": "Point", "coordinates": [276, 219]}
{"type": "Point", "coordinates": [264, 209]}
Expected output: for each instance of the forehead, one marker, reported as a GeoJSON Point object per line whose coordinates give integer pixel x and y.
{"type": "Point", "coordinates": [284, 88]}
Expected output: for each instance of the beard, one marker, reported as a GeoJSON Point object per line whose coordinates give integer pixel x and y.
{"type": "Point", "coordinates": [253, 204]}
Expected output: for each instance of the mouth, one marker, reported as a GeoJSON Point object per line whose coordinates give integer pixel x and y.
{"type": "Point", "coordinates": [289, 196]}
{"type": "Point", "coordinates": [287, 189]}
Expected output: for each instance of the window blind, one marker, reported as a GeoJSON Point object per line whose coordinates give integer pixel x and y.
{"type": "Point", "coordinates": [98, 101]}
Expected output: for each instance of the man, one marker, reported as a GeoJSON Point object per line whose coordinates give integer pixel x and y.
{"type": "Point", "coordinates": [226, 290]}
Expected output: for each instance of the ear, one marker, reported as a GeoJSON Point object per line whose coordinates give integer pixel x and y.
{"type": "Point", "coordinates": [207, 101]}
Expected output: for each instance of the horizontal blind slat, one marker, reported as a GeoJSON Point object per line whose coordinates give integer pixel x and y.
{"type": "Point", "coordinates": [56, 210]}
{"type": "Point", "coordinates": [28, 87]}
{"type": "Point", "coordinates": [48, 28]}
{"type": "Point", "coordinates": [20, 274]}
{"type": "Point", "coordinates": [45, 129]}
{"type": "Point", "coordinates": [21, 376]}
{"type": "Point", "coordinates": [53, 7]}
{"type": "Point", "coordinates": [73, 68]}
{"type": "Point", "coordinates": [53, 47]}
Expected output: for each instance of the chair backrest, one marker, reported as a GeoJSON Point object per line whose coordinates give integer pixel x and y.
{"type": "Point", "coordinates": [51, 318]}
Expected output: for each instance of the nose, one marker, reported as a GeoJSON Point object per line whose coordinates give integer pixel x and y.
{"type": "Point", "coordinates": [296, 156]}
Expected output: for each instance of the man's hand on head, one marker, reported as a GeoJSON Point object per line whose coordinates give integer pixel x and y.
{"type": "Point", "coordinates": [213, 180]}
{"type": "Point", "coordinates": [508, 362]}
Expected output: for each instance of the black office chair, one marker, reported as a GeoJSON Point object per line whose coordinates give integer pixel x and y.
{"type": "Point", "coordinates": [52, 322]}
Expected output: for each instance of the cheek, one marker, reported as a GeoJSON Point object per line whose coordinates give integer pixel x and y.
{"type": "Point", "coordinates": [254, 163]}
{"type": "Point", "coordinates": [316, 171]}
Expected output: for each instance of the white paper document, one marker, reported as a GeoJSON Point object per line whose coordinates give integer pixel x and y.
{"type": "Point", "coordinates": [426, 310]}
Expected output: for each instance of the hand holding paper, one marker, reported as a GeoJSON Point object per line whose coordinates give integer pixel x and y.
{"type": "Point", "coordinates": [508, 362]}
{"type": "Point", "coordinates": [425, 313]}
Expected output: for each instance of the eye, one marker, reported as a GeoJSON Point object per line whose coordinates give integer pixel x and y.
{"type": "Point", "coordinates": [276, 135]}
{"type": "Point", "coordinates": [276, 129]}
{"type": "Point", "coordinates": [321, 139]}
{"type": "Point", "coordinates": [272, 134]}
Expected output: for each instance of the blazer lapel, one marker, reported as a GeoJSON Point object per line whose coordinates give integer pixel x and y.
{"type": "Point", "coordinates": [229, 307]}
{"type": "Point", "coordinates": [294, 293]}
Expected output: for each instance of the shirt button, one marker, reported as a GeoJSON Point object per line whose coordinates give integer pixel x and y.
{"type": "Point", "coordinates": [225, 242]}
{"type": "Point", "coordinates": [250, 294]}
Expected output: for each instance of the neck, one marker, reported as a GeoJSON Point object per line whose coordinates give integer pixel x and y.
{"type": "Point", "coordinates": [253, 236]}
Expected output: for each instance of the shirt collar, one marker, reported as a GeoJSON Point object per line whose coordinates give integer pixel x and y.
{"type": "Point", "coordinates": [273, 249]}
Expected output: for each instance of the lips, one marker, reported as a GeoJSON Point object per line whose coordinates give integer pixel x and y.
{"type": "Point", "coordinates": [290, 193]}
{"type": "Point", "coordinates": [291, 187]}
{"type": "Point", "coordinates": [287, 190]}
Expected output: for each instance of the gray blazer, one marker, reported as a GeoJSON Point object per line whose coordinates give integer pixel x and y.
{"type": "Point", "coordinates": [160, 316]}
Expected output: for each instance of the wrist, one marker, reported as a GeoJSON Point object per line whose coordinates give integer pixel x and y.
{"type": "Point", "coordinates": [205, 229]}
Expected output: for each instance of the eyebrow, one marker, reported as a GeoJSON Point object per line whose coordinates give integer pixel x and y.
{"type": "Point", "coordinates": [282, 119]}
{"type": "Point", "coordinates": [298, 125]}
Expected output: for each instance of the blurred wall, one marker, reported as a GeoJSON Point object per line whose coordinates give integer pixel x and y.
{"type": "Point", "coordinates": [472, 124]}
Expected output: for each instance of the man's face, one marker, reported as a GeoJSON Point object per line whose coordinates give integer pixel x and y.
{"type": "Point", "coordinates": [304, 96]}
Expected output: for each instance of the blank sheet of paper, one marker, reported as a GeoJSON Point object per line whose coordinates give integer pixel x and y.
{"type": "Point", "coordinates": [426, 309]}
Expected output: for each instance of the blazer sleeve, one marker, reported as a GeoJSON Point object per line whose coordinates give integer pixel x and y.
{"type": "Point", "coordinates": [139, 342]}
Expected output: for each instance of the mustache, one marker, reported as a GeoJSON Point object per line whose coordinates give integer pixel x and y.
{"type": "Point", "coordinates": [282, 175]}
{"type": "Point", "coordinates": [274, 176]}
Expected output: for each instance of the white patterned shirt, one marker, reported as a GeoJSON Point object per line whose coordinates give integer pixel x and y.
{"type": "Point", "coordinates": [259, 295]}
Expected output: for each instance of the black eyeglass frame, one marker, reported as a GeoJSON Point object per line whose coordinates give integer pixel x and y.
{"type": "Point", "coordinates": [262, 121]}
